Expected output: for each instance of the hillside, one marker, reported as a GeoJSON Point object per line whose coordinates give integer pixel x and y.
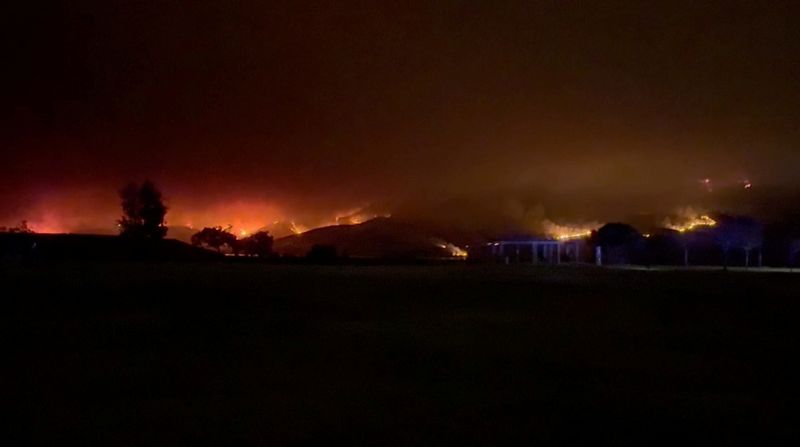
{"type": "Point", "coordinates": [380, 238]}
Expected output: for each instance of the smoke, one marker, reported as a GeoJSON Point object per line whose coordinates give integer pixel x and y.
{"type": "Point", "coordinates": [526, 209]}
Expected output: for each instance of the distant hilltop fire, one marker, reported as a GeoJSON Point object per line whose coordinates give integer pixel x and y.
{"type": "Point", "coordinates": [455, 224]}
{"type": "Point", "coordinates": [452, 249]}
{"type": "Point", "coordinates": [684, 221]}
{"type": "Point", "coordinates": [568, 232]}
{"type": "Point", "coordinates": [689, 222]}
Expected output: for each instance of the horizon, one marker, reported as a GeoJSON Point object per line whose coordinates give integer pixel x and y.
{"type": "Point", "coordinates": [275, 112]}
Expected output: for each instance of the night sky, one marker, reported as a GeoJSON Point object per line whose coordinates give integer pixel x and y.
{"type": "Point", "coordinates": [254, 111]}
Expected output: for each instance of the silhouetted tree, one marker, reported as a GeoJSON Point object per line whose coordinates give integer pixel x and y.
{"type": "Point", "coordinates": [216, 238]}
{"type": "Point", "coordinates": [143, 211]}
{"type": "Point", "coordinates": [621, 243]}
{"type": "Point", "coordinates": [794, 250]}
{"type": "Point", "coordinates": [257, 244]}
{"type": "Point", "coordinates": [737, 232]}
{"type": "Point", "coordinates": [753, 239]}
{"type": "Point", "coordinates": [666, 246]}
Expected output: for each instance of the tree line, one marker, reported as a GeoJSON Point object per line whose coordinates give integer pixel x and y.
{"type": "Point", "coordinates": [144, 217]}
{"type": "Point", "coordinates": [217, 238]}
{"type": "Point", "coordinates": [622, 243]}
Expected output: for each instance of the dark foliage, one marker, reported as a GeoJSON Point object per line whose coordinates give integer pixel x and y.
{"type": "Point", "coordinates": [257, 244]}
{"type": "Point", "coordinates": [621, 243]}
{"type": "Point", "coordinates": [614, 234]}
{"type": "Point", "coordinates": [143, 211]}
{"type": "Point", "coordinates": [216, 238]}
{"type": "Point", "coordinates": [667, 247]}
{"type": "Point", "coordinates": [738, 233]}
{"type": "Point", "coordinates": [794, 251]}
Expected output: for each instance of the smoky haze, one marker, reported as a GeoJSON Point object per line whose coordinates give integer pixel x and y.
{"type": "Point", "coordinates": [259, 111]}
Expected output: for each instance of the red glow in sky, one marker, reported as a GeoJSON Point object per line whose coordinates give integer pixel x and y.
{"type": "Point", "coordinates": [249, 112]}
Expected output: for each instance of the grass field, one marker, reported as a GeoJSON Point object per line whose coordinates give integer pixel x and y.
{"type": "Point", "coordinates": [253, 354]}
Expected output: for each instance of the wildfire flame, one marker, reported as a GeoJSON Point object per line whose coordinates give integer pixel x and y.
{"type": "Point", "coordinates": [569, 232]}
{"type": "Point", "coordinates": [571, 236]}
{"type": "Point", "coordinates": [454, 250]}
{"type": "Point", "coordinates": [356, 216]}
{"type": "Point", "coordinates": [692, 223]}
{"type": "Point", "coordinates": [298, 229]}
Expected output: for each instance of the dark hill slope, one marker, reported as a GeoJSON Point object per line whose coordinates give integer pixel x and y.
{"type": "Point", "coordinates": [378, 238]}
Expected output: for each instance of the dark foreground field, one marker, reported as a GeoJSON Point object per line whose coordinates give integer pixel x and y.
{"type": "Point", "coordinates": [233, 354]}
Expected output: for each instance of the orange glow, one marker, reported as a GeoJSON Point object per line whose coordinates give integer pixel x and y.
{"type": "Point", "coordinates": [689, 220]}
{"type": "Point", "coordinates": [73, 211]}
{"type": "Point", "coordinates": [97, 211]}
{"type": "Point", "coordinates": [453, 250]}
{"type": "Point", "coordinates": [701, 221]}
{"type": "Point", "coordinates": [46, 227]}
{"type": "Point", "coordinates": [355, 216]}
{"type": "Point", "coordinates": [52, 222]}
{"type": "Point", "coordinates": [243, 217]}
{"type": "Point", "coordinates": [298, 229]}
{"type": "Point", "coordinates": [569, 232]}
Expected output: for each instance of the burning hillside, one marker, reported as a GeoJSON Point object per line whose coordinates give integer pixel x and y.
{"type": "Point", "coordinates": [688, 220]}
{"type": "Point", "coordinates": [568, 232]}
{"type": "Point", "coordinates": [377, 238]}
